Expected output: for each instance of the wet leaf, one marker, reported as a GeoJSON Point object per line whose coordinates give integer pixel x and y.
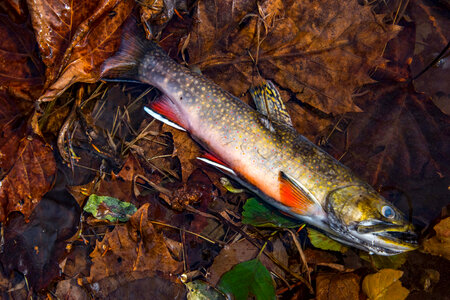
{"type": "Point", "coordinates": [321, 241]}
{"type": "Point", "coordinates": [259, 214]}
{"type": "Point", "coordinates": [248, 278]}
{"type": "Point", "coordinates": [242, 251]}
{"type": "Point", "coordinates": [432, 36]}
{"type": "Point", "coordinates": [137, 285]}
{"type": "Point", "coordinates": [385, 262]}
{"type": "Point", "coordinates": [293, 43]}
{"type": "Point", "coordinates": [198, 290]}
{"type": "Point", "coordinates": [29, 177]}
{"type": "Point", "coordinates": [109, 208]}
{"type": "Point", "coordinates": [337, 286]}
{"type": "Point", "coordinates": [21, 70]}
{"type": "Point", "coordinates": [35, 247]}
{"type": "Point", "coordinates": [384, 285]}
{"type": "Point", "coordinates": [440, 243]}
{"type": "Point", "coordinates": [132, 248]}
{"type": "Point", "coordinates": [75, 38]}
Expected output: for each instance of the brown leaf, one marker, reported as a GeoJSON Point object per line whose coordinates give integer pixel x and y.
{"type": "Point", "coordinates": [34, 248]}
{"type": "Point", "coordinates": [440, 243]}
{"type": "Point", "coordinates": [320, 51]}
{"type": "Point", "coordinates": [432, 36]}
{"type": "Point", "coordinates": [137, 285]}
{"type": "Point", "coordinates": [401, 141]}
{"type": "Point", "coordinates": [337, 286]}
{"type": "Point", "coordinates": [242, 251]}
{"type": "Point", "coordinates": [30, 176]}
{"type": "Point", "coordinates": [135, 247]}
{"type": "Point", "coordinates": [21, 70]}
{"type": "Point", "coordinates": [75, 38]}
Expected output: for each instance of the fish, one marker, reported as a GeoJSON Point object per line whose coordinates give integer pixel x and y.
{"type": "Point", "coordinates": [261, 150]}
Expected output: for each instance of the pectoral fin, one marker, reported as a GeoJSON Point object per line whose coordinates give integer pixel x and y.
{"type": "Point", "coordinates": [296, 197]}
{"type": "Point", "coordinates": [268, 102]}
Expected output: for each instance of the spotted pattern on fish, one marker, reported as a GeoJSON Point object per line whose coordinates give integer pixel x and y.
{"type": "Point", "coordinates": [269, 156]}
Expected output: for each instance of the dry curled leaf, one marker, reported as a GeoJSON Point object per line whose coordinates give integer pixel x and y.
{"type": "Point", "coordinates": [75, 37]}
{"type": "Point", "coordinates": [319, 50]}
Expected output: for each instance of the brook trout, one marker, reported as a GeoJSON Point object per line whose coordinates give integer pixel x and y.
{"type": "Point", "coordinates": [263, 151]}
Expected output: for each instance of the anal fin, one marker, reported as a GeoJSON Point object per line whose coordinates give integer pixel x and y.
{"type": "Point", "coordinates": [164, 110]}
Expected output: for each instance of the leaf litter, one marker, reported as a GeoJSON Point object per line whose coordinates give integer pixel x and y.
{"type": "Point", "coordinates": [362, 108]}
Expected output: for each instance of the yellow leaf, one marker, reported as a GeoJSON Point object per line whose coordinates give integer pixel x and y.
{"type": "Point", "coordinates": [385, 285]}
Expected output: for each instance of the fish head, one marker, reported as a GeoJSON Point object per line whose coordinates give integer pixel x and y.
{"type": "Point", "coordinates": [362, 218]}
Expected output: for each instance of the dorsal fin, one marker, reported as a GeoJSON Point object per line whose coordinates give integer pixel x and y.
{"type": "Point", "coordinates": [268, 102]}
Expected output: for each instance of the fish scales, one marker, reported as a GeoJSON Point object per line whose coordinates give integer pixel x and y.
{"type": "Point", "coordinates": [270, 158]}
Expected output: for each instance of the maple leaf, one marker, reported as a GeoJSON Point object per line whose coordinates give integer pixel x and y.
{"type": "Point", "coordinates": [401, 140]}
{"type": "Point", "coordinates": [75, 37]}
{"type": "Point", "coordinates": [319, 50]}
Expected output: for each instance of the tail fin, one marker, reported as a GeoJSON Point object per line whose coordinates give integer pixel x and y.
{"type": "Point", "coordinates": [124, 64]}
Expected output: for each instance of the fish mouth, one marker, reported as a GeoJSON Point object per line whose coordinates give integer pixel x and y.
{"type": "Point", "coordinates": [376, 237]}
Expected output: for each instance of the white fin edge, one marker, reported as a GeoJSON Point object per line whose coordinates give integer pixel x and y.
{"type": "Point", "coordinates": [162, 119]}
{"type": "Point", "coordinates": [217, 165]}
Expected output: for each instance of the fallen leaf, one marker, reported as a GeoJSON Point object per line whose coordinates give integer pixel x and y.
{"type": "Point", "coordinates": [29, 177]}
{"type": "Point", "coordinates": [21, 70]}
{"type": "Point", "coordinates": [34, 248]}
{"type": "Point", "coordinates": [199, 289]}
{"type": "Point", "coordinates": [337, 286]}
{"type": "Point", "coordinates": [242, 251]}
{"type": "Point", "coordinates": [385, 262]}
{"type": "Point", "coordinates": [134, 247]}
{"type": "Point", "coordinates": [70, 290]}
{"type": "Point", "coordinates": [137, 285]}
{"type": "Point", "coordinates": [321, 241]}
{"type": "Point", "coordinates": [440, 243]}
{"type": "Point", "coordinates": [432, 36]}
{"type": "Point", "coordinates": [109, 208]}
{"type": "Point", "coordinates": [384, 285]}
{"type": "Point", "coordinates": [75, 38]}
{"type": "Point", "coordinates": [292, 43]}
{"type": "Point", "coordinates": [259, 214]}
{"type": "Point", "coordinates": [248, 278]}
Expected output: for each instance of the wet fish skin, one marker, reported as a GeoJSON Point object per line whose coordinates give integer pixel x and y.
{"type": "Point", "coordinates": [264, 154]}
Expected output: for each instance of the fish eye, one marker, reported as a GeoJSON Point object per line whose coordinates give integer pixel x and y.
{"type": "Point", "coordinates": [387, 212]}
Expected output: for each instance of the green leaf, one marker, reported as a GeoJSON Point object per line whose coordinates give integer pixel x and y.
{"type": "Point", "coordinates": [249, 277]}
{"type": "Point", "coordinates": [259, 214]}
{"type": "Point", "coordinates": [383, 262]}
{"type": "Point", "coordinates": [109, 208]}
{"type": "Point", "coordinates": [385, 285]}
{"type": "Point", "coordinates": [200, 290]}
{"type": "Point", "coordinates": [323, 242]}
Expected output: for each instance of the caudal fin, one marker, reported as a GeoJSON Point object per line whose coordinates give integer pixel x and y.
{"type": "Point", "coordinates": [124, 65]}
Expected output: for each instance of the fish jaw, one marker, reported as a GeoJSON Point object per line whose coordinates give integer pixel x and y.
{"type": "Point", "coordinates": [357, 217]}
